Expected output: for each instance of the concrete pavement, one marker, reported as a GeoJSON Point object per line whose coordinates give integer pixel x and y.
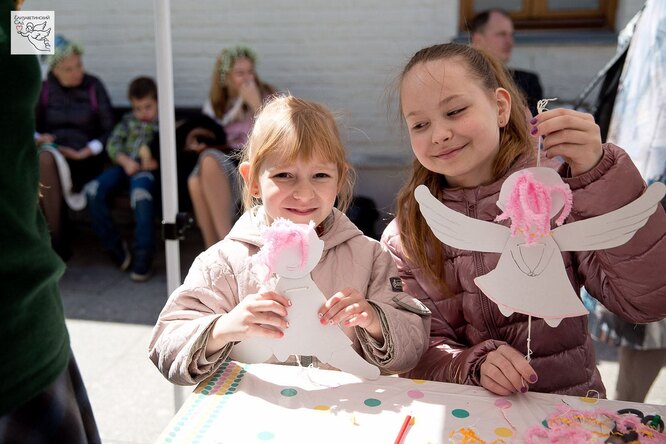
{"type": "Point", "coordinates": [110, 319]}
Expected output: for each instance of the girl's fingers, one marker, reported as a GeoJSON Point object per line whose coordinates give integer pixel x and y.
{"type": "Point", "coordinates": [547, 127]}
{"type": "Point", "coordinates": [561, 113]}
{"type": "Point", "coordinates": [501, 370]}
{"type": "Point", "coordinates": [494, 380]}
{"type": "Point", "coordinates": [277, 297]}
{"type": "Point", "coordinates": [579, 157]}
{"type": "Point", "coordinates": [330, 307]}
{"type": "Point", "coordinates": [494, 387]}
{"type": "Point", "coordinates": [572, 135]}
{"type": "Point", "coordinates": [347, 312]}
{"type": "Point", "coordinates": [267, 318]}
{"type": "Point", "coordinates": [259, 330]}
{"type": "Point", "coordinates": [333, 310]}
{"type": "Point", "coordinates": [268, 306]}
{"type": "Point", "coordinates": [525, 372]}
{"type": "Point", "coordinates": [567, 151]}
{"type": "Point", "coordinates": [512, 366]}
{"type": "Point", "coordinates": [359, 319]}
{"type": "Point", "coordinates": [568, 136]}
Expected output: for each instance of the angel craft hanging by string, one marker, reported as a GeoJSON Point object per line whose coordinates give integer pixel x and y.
{"type": "Point", "coordinates": [530, 276]}
{"type": "Point", "coordinates": [291, 251]}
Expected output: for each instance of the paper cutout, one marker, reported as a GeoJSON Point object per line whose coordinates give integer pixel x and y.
{"type": "Point", "coordinates": [292, 261]}
{"type": "Point", "coordinates": [531, 279]}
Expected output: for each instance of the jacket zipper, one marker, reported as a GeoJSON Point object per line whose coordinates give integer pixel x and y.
{"type": "Point", "coordinates": [485, 305]}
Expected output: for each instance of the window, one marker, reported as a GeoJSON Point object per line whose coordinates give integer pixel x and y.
{"type": "Point", "coordinates": [547, 14]}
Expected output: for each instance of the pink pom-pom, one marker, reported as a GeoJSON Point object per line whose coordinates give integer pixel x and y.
{"type": "Point", "coordinates": [282, 233]}
{"type": "Point", "coordinates": [529, 206]}
{"type": "Point", "coordinates": [589, 426]}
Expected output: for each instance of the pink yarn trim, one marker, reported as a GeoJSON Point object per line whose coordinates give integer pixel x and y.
{"type": "Point", "coordinates": [569, 425]}
{"type": "Point", "coordinates": [529, 206]}
{"type": "Point", "coordinates": [281, 234]}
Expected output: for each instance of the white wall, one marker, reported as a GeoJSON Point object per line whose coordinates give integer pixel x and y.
{"type": "Point", "coordinates": [343, 53]}
{"type": "Point", "coordinates": [340, 53]}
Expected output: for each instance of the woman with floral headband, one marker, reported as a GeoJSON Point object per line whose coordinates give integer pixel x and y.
{"type": "Point", "coordinates": [236, 94]}
{"type": "Point", "coordinates": [74, 119]}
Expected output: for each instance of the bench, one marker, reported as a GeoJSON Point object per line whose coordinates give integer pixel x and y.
{"type": "Point", "coordinates": [378, 179]}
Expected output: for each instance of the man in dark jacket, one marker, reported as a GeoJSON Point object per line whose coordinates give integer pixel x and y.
{"type": "Point", "coordinates": [492, 31]}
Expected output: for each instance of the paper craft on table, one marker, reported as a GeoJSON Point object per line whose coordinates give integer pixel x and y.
{"type": "Point", "coordinates": [292, 251]}
{"type": "Point", "coordinates": [530, 276]}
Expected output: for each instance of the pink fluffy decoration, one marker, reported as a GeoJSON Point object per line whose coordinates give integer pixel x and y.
{"type": "Point", "coordinates": [529, 207]}
{"type": "Point", "coordinates": [282, 233]}
{"type": "Point", "coordinates": [568, 425]}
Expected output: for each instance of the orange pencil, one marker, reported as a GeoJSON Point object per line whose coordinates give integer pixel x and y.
{"type": "Point", "coordinates": [403, 429]}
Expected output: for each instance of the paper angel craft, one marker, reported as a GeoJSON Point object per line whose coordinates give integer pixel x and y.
{"type": "Point", "coordinates": [291, 251]}
{"type": "Point", "coordinates": [530, 276]}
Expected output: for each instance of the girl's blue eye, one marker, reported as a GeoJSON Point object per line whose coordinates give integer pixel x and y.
{"type": "Point", "coordinates": [281, 175]}
{"type": "Point", "coordinates": [418, 126]}
{"type": "Point", "coordinates": [322, 175]}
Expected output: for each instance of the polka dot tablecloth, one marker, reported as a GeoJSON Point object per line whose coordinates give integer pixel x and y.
{"type": "Point", "coordinates": [265, 403]}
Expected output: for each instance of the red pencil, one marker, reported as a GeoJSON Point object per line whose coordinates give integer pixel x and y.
{"type": "Point", "coordinates": [403, 429]}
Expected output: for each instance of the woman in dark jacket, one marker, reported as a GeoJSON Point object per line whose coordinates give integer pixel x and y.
{"type": "Point", "coordinates": [74, 118]}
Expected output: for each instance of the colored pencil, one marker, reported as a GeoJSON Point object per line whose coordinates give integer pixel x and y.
{"type": "Point", "coordinates": [403, 429]}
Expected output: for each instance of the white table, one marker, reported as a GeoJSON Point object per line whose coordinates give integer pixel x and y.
{"type": "Point", "coordinates": [270, 404]}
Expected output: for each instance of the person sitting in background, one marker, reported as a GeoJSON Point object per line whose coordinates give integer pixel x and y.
{"type": "Point", "coordinates": [458, 101]}
{"type": "Point", "coordinates": [128, 148]}
{"type": "Point", "coordinates": [492, 31]}
{"type": "Point", "coordinates": [236, 94]}
{"type": "Point", "coordinates": [74, 118]}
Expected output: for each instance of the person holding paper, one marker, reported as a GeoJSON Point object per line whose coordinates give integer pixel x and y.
{"type": "Point", "coordinates": [468, 135]}
{"type": "Point", "coordinates": [294, 167]}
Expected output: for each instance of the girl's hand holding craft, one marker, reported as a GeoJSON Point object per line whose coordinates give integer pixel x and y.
{"type": "Point", "coordinates": [351, 309]}
{"type": "Point", "coordinates": [573, 135]}
{"type": "Point", "coordinates": [260, 314]}
{"type": "Point", "coordinates": [505, 371]}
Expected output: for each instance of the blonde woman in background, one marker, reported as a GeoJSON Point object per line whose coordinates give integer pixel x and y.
{"type": "Point", "coordinates": [236, 94]}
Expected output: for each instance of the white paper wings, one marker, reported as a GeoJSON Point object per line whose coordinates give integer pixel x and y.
{"type": "Point", "coordinates": [530, 276]}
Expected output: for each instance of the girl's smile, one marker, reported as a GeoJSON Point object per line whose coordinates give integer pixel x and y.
{"type": "Point", "coordinates": [450, 153]}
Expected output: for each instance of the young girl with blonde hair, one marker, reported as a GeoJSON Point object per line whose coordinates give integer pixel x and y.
{"type": "Point", "coordinates": [294, 167]}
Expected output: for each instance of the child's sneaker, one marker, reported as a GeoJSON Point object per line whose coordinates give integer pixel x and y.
{"type": "Point", "coordinates": [141, 270]}
{"type": "Point", "coordinates": [121, 256]}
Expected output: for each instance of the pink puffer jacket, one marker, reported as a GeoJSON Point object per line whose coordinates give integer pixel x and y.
{"type": "Point", "coordinates": [220, 278]}
{"type": "Point", "coordinates": [629, 280]}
